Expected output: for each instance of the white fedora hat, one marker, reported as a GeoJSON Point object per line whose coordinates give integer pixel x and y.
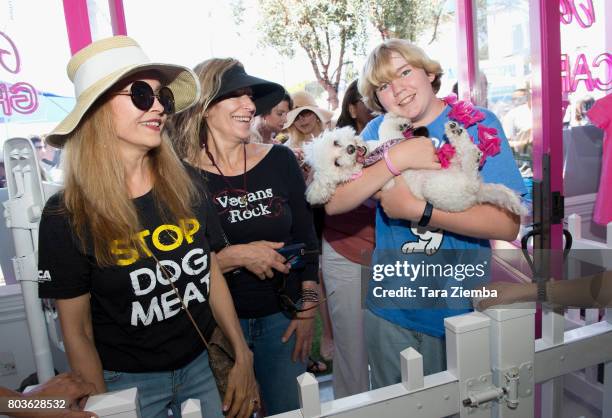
{"type": "Point", "coordinates": [302, 101]}
{"type": "Point", "coordinates": [97, 67]}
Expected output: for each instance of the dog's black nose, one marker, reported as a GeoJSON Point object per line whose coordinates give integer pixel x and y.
{"type": "Point", "coordinates": [350, 149]}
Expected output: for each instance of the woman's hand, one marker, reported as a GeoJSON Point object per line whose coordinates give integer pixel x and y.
{"type": "Point", "coordinates": [242, 395]}
{"type": "Point", "coordinates": [68, 386]}
{"type": "Point", "coordinates": [398, 202]}
{"type": "Point", "coordinates": [303, 326]}
{"type": "Point", "coordinates": [414, 153]}
{"type": "Point", "coordinates": [260, 257]}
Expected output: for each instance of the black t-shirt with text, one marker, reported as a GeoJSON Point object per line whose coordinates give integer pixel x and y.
{"type": "Point", "coordinates": [274, 209]}
{"type": "Point", "coordinates": [137, 319]}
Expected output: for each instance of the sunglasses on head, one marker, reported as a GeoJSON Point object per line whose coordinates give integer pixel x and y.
{"type": "Point", "coordinates": [143, 97]}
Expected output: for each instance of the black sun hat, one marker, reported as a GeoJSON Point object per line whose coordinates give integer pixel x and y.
{"type": "Point", "coordinates": [266, 94]}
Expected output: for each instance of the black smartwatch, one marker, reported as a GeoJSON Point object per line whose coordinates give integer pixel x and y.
{"type": "Point", "coordinates": [426, 217]}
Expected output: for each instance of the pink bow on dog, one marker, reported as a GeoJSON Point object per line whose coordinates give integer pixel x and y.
{"type": "Point", "coordinates": [445, 154]}
{"type": "Point", "coordinates": [488, 142]}
{"type": "Point", "coordinates": [465, 113]}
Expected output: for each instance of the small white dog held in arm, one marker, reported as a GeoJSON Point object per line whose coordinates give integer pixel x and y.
{"type": "Point", "coordinates": [337, 156]}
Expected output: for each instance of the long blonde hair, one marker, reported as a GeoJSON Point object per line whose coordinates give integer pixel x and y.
{"type": "Point", "coordinates": [297, 138]}
{"type": "Point", "coordinates": [189, 128]}
{"type": "Point", "coordinates": [95, 193]}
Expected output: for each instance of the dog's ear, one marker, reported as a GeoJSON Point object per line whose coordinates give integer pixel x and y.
{"type": "Point", "coordinates": [421, 131]}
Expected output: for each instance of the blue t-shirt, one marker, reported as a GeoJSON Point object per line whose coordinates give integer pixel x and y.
{"type": "Point", "coordinates": [438, 258]}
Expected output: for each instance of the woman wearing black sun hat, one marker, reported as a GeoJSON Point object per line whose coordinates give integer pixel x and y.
{"type": "Point", "coordinates": [258, 191]}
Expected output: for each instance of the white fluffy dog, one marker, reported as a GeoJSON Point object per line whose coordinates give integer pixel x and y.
{"type": "Point", "coordinates": [337, 157]}
{"type": "Point", "coordinates": [334, 157]}
{"type": "Point", "coordinates": [392, 127]}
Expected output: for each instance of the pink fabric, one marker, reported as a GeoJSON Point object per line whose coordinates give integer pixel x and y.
{"type": "Point", "coordinates": [465, 113]}
{"type": "Point", "coordinates": [488, 142]}
{"type": "Point", "coordinates": [445, 154]}
{"type": "Point", "coordinates": [601, 116]}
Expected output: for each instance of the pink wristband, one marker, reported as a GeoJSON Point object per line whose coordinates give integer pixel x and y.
{"type": "Point", "coordinates": [390, 166]}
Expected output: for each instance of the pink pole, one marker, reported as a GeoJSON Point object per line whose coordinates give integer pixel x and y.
{"type": "Point", "coordinates": [77, 24]}
{"type": "Point", "coordinates": [117, 17]}
{"type": "Point", "coordinates": [546, 98]}
{"type": "Point", "coordinates": [466, 49]}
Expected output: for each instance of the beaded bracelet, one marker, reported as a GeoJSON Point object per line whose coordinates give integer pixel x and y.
{"type": "Point", "coordinates": [309, 295]}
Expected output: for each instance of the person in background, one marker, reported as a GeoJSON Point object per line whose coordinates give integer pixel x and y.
{"type": "Point", "coordinates": [600, 115]}
{"type": "Point", "coordinates": [518, 121]}
{"type": "Point", "coordinates": [455, 89]}
{"type": "Point", "coordinates": [48, 159]}
{"type": "Point", "coordinates": [304, 123]}
{"type": "Point", "coordinates": [399, 77]}
{"type": "Point", "coordinates": [66, 386]}
{"type": "Point", "coordinates": [266, 126]}
{"type": "Point", "coordinates": [348, 242]}
{"type": "Point", "coordinates": [582, 108]}
{"type": "Point", "coordinates": [481, 92]}
{"type": "Point", "coordinates": [124, 248]}
{"type": "Point", "coordinates": [258, 192]}
{"type": "Point", "coordinates": [39, 146]}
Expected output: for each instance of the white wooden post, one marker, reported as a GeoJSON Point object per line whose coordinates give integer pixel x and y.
{"type": "Point", "coordinates": [191, 408]}
{"type": "Point", "coordinates": [468, 358]}
{"type": "Point", "coordinates": [553, 329]}
{"type": "Point", "coordinates": [512, 358]}
{"type": "Point", "coordinates": [591, 316]}
{"type": "Point", "coordinates": [123, 403]}
{"type": "Point", "coordinates": [310, 403]}
{"type": "Point", "coordinates": [412, 369]}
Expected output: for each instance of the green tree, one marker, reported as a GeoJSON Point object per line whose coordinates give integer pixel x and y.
{"type": "Point", "coordinates": [328, 31]}
{"type": "Point", "coordinates": [406, 19]}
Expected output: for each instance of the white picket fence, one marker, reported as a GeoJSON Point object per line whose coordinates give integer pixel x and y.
{"type": "Point", "coordinates": [493, 366]}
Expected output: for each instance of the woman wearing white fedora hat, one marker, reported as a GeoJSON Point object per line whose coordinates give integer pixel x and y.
{"type": "Point", "coordinates": [258, 191]}
{"type": "Point", "coordinates": [305, 121]}
{"type": "Point", "coordinates": [124, 248]}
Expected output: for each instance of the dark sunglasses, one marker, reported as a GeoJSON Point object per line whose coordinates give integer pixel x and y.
{"type": "Point", "coordinates": [143, 97]}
